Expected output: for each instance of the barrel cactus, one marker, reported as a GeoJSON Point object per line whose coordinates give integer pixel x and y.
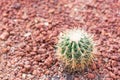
{"type": "Point", "coordinates": [75, 49]}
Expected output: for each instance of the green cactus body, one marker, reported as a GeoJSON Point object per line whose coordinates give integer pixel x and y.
{"type": "Point", "coordinates": [75, 48]}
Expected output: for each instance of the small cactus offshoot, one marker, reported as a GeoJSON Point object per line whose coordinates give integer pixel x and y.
{"type": "Point", "coordinates": [75, 49]}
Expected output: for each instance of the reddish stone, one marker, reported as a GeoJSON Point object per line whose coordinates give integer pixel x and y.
{"type": "Point", "coordinates": [37, 58]}
{"type": "Point", "coordinates": [4, 50]}
{"type": "Point", "coordinates": [16, 5]}
{"type": "Point", "coordinates": [35, 72]}
{"type": "Point", "coordinates": [20, 53]}
{"type": "Point", "coordinates": [5, 14]}
{"type": "Point", "coordinates": [76, 78]}
{"type": "Point", "coordinates": [27, 67]}
{"type": "Point", "coordinates": [20, 64]}
{"type": "Point", "coordinates": [47, 72]}
{"type": "Point", "coordinates": [44, 67]}
{"type": "Point", "coordinates": [4, 35]}
{"type": "Point", "coordinates": [112, 75]}
{"type": "Point", "coordinates": [25, 16]}
{"type": "Point", "coordinates": [35, 63]}
{"type": "Point", "coordinates": [115, 70]}
{"type": "Point", "coordinates": [94, 66]}
{"type": "Point", "coordinates": [34, 49]}
{"type": "Point", "coordinates": [108, 79]}
{"type": "Point", "coordinates": [62, 78]}
{"type": "Point", "coordinates": [23, 70]}
{"type": "Point", "coordinates": [118, 73]}
{"type": "Point", "coordinates": [115, 57]}
{"type": "Point", "coordinates": [48, 61]}
{"type": "Point", "coordinates": [99, 63]}
{"type": "Point", "coordinates": [28, 48]}
{"type": "Point", "coordinates": [17, 79]}
{"type": "Point", "coordinates": [33, 53]}
{"type": "Point", "coordinates": [41, 51]}
{"type": "Point", "coordinates": [109, 68]}
{"type": "Point", "coordinates": [47, 79]}
{"type": "Point", "coordinates": [114, 63]}
{"type": "Point", "coordinates": [90, 76]}
{"type": "Point", "coordinates": [51, 10]}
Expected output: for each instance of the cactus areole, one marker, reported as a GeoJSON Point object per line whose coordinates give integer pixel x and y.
{"type": "Point", "coordinates": [75, 48]}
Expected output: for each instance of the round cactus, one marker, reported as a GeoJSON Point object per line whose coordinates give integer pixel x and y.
{"type": "Point", "coordinates": [75, 49]}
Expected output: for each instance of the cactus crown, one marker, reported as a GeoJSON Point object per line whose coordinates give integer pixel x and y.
{"type": "Point", "coordinates": [74, 48]}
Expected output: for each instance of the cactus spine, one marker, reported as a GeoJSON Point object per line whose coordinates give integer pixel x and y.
{"type": "Point", "coordinates": [75, 49]}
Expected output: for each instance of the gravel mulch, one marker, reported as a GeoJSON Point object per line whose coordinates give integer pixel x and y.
{"type": "Point", "coordinates": [29, 30]}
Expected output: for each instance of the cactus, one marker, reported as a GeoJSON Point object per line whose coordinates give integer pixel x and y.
{"type": "Point", "coordinates": [75, 49]}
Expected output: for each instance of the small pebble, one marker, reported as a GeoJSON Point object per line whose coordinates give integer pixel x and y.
{"type": "Point", "coordinates": [90, 76]}
{"type": "Point", "coordinates": [16, 5]}
{"type": "Point", "coordinates": [4, 35]}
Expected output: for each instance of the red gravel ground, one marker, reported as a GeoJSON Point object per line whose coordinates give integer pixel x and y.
{"type": "Point", "coordinates": [29, 30]}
